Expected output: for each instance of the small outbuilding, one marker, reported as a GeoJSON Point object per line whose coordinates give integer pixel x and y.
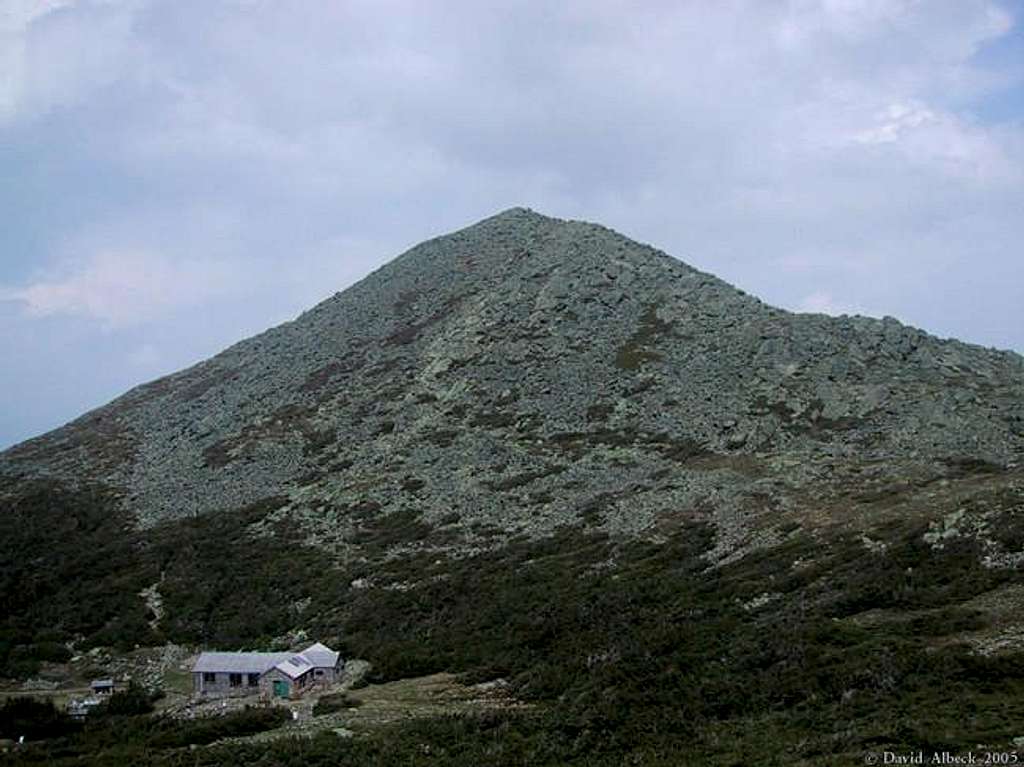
{"type": "Point", "coordinates": [102, 686]}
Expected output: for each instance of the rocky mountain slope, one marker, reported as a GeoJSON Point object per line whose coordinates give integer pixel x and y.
{"type": "Point", "coordinates": [676, 521]}
{"type": "Point", "coordinates": [527, 373]}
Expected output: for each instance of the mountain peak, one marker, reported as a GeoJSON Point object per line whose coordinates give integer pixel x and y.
{"type": "Point", "coordinates": [517, 212]}
{"type": "Point", "coordinates": [555, 357]}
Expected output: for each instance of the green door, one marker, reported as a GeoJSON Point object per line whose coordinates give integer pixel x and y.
{"type": "Point", "coordinates": [280, 688]}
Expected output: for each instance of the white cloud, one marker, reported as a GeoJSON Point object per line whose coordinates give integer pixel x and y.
{"type": "Point", "coordinates": [56, 53]}
{"type": "Point", "coordinates": [15, 18]}
{"type": "Point", "coordinates": [895, 121]}
{"type": "Point", "coordinates": [940, 142]}
{"type": "Point", "coordinates": [121, 288]}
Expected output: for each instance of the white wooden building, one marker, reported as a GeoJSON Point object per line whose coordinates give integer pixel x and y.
{"type": "Point", "coordinates": [282, 675]}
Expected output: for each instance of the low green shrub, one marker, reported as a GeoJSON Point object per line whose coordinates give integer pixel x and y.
{"type": "Point", "coordinates": [248, 721]}
{"type": "Point", "coordinates": [330, 704]}
{"type": "Point", "coordinates": [34, 720]}
{"type": "Point", "coordinates": [133, 701]}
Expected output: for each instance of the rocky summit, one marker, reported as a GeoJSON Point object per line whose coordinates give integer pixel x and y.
{"type": "Point", "coordinates": [668, 523]}
{"type": "Point", "coordinates": [528, 373]}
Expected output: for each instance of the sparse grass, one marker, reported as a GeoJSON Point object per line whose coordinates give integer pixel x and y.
{"type": "Point", "coordinates": [493, 419]}
{"type": "Point", "coordinates": [525, 478]}
{"type": "Point", "coordinates": [408, 333]}
{"type": "Point", "coordinates": [177, 680]}
{"type": "Point", "coordinates": [379, 534]}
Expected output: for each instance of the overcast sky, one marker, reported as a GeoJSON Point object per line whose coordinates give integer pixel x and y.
{"type": "Point", "coordinates": [176, 175]}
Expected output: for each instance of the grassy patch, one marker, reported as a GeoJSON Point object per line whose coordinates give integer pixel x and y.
{"type": "Point", "coordinates": [640, 346]}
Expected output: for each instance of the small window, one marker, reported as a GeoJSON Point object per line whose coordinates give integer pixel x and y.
{"type": "Point", "coordinates": [254, 680]}
{"type": "Point", "coordinates": [235, 680]}
{"type": "Point", "coordinates": [319, 672]}
{"type": "Point", "coordinates": [209, 677]}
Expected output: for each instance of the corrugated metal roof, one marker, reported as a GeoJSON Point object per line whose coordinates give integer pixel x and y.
{"type": "Point", "coordinates": [239, 662]}
{"type": "Point", "coordinates": [320, 656]}
{"type": "Point", "coordinates": [295, 666]}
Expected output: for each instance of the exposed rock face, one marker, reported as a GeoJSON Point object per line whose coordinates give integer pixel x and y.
{"type": "Point", "coordinates": [527, 373]}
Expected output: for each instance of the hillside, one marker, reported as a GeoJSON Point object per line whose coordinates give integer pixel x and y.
{"type": "Point", "coordinates": [535, 448]}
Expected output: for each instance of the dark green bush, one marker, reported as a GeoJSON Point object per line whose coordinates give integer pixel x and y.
{"type": "Point", "coordinates": [33, 719]}
{"type": "Point", "coordinates": [84, 573]}
{"type": "Point", "coordinates": [53, 652]}
{"type": "Point", "coordinates": [133, 701]}
{"type": "Point", "coordinates": [248, 721]}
